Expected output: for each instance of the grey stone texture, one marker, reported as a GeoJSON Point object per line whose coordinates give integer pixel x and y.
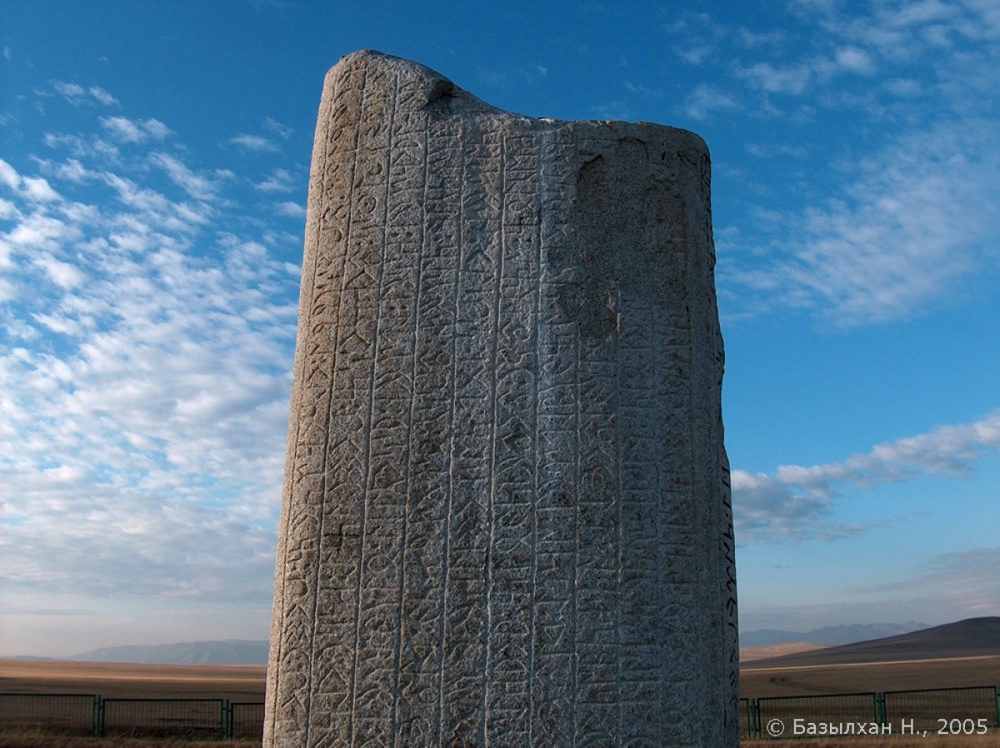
{"type": "Point", "coordinates": [506, 518]}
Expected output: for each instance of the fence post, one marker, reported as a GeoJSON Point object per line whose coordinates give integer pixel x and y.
{"type": "Point", "coordinates": [753, 718]}
{"type": "Point", "coordinates": [880, 715]}
{"type": "Point", "coordinates": [996, 699]}
{"type": "Point", "coordinates": [98, 717]}
{"type": "Point", "coordinates": [226, 720]}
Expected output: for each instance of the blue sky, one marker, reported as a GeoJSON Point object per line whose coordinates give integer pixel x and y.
{"type": "Point", "coordinates": [153, 174]}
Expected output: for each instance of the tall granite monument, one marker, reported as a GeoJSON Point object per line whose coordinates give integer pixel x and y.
{"type": "Point", "coordinates": [506, 518]}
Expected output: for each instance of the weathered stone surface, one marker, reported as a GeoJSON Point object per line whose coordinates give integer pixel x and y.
{"type": "Point", "coordinates": [506, 517]}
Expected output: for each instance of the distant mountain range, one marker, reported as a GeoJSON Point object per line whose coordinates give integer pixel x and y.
{"type": "Point", "coordinates": [854, 643]}
{"type": "Point", "coordinates": [229, 652]}
{"type": "Point", "coordinates": [828, 635]}
{"type": "Point", "coordinates": [973, 637]}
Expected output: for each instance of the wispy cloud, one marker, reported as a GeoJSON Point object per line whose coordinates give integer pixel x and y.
{"type": "Point", "coordinates": [280, 180]}
{"type": "Point", "coordinates": [197, 186]}
{"type": "Point", "coordinates": [941, 589]}
{"type": "Point", "coordinates": [706, 100]}
{"type": "Point", "coordinates": [699, 37]}
{"type": "Point", "coordinates": [256, 143]}
{"type": "Point", "coordinates": [8, 175]}
{"type": "Point", "coordinates": [917, 223]}
{"type": "Point", "coordinates": [263, 143]}
{"type": "Point", "coordinates": [912, 225]}
{"type": "Point", "coordinates": [694, 54]}
{"type": "Point", "coordinates": [282, 131]}
{"type": "Point", "coordinates": [774, 79]}
{"type": "Point", "coordinates": [290, 209]}
{"type": "Point", "coordinates": [145, 391]}
{"type": "Point", "coordinates": [76, 94]}
{"type": "Point", "coordinates": [135, 131]}
{"type": "Point", "coordinates": [795, 502]}
{"type": "Point", "coordinates": [772, 150]}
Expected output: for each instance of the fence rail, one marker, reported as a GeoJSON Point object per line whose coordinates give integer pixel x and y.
{"type": "Point", "coordinates": [949, 711]}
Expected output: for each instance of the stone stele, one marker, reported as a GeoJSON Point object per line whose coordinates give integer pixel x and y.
{"type": "Point", "coordinates": [506, 517]}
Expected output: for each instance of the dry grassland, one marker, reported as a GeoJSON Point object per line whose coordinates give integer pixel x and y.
{"type": "Point", "coordinates": [954, 672]}
{"type": "Point", "coordinates": [748, 654]}
{"type": "Point", "coordinates": [239, 683]}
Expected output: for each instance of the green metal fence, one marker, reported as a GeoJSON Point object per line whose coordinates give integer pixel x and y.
{"type": "Point", "coordinates": [926, 708]}
{"type": "Point", "coordinates": [185, 718]}
{"type": "Point", "coordinates": [246, 721]}
{"type": "Point", "coordinates": [951, 711]}
{"type": "Point", "coordinates": [55, 713]}
{"type": "Point", "coordinates": [92, 715]}
{"type": "Point", "coordinates": [946, 711]}
{"type": "Point", "coordinates": [776, 716]}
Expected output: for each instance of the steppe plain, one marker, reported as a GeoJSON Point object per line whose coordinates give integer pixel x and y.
{"type": "Point", "coordinates": [790, 670]}
{"type": "Point", "coordinates": [246, 683]}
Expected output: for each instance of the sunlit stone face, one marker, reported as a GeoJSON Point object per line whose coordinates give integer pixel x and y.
{"type": "Point", "coordinates": [506, 517]}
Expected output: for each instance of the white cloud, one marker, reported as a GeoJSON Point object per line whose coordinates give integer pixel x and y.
{"type": "Point", "coordinates": [143, 409]}
{"type": "Point", "coordinates": [35, 189]}
{"type": "Point", "coordinates": [706, 100]}
{"type": "Point", "coordinates": [63, 274]}
{"type": "Point", "coordinates": [80, 147]}
{"type": "Point", "coordinates": [279, 181]}
{"type": "Point", "coordinates": [70, 91]}
{"type": "Point", "coordinates": [39, 190]}
{"type": "Point", "coordinates": [767, 77]}
{"type": "Point", "coordinates": [76, 94]}
{"type": "Point", "coordinates": [751, 39]}
{"type": "Point", "coordinates": [921, 12]}
{"type": "Point", "coordinates": [292, 210]}
{"type": "Point", "coordinates": [9, 176]}
{"type": "Point", "coordinates": [135, 131]}
{"type": "Point", "coordinates": [770, 151]}
{"type": "Point", "coordinates": [914, 226]}
{"type": "Point", "coordinates": [904, 30]}
{"type": "Point", "coordinates": [695, 54]}
{"type": "Point", "coordinates": [700, 37]}
{"type": "Point", "coordinates": [255, 143]}
{"type": "Point", "coordinates": [40, 231]}
{"type": "Point", "coordinates": [7, 209]}
{"type": "Point", "coordinates": [904, 87]}
{"type": "Point", "coordinates": [102, 96]}
{"type": "Point", "coordinates": [795, 502]}
{"type": "Point", "coordinates": [854, 60]}
{"type": "Point", "coordinates": [283, 131]}
{"type": "Point", "coordinates": [72, 170]}
{"type": "Point", "coordinates": [196, 185]}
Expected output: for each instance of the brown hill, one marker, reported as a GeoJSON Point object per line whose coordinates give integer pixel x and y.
{"type": "Point", "coordinates": [748, 654]}
{"type": "Point", "coordinates": [973, 637]}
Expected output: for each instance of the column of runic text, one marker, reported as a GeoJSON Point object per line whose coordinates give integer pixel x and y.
{"type": "Point", "coordinates": [506, 518]}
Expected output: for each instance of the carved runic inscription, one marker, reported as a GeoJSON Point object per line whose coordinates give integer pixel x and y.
{"type": "Point", "coordinates": [506, 518]}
